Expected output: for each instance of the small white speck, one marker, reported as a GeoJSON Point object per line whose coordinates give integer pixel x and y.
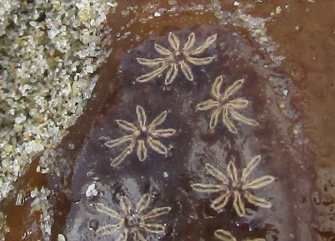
{"type": "Point", "coordinates": [61, 237]}
{"type": "Point", "coordinates": [285, 92]}
{"type": "Point", "coordinates": [157, 14]}
{"type": "Point", "coordinates": [236, 3]}
{"type": "Point", "coordinates": [91, 191]}
{"type": "Point", "coordinates": [89, 69]}
{"type": "Point", "coordinates": [137, 38]}
{"type": "Point", "coordinates": [20, 119]}
{"type": "Point", "coordinates": [33, 193]}
{"type": "Point", "coordinates": [113, 4]}
{"type": "Point", "coordinates": [53, 32]}
{"type": "Point", "coordinates": [19, 199]}
{"type": "Point", "coordinates": [278, 10]}
{"type": "Point", "coordinates": [165, 175]}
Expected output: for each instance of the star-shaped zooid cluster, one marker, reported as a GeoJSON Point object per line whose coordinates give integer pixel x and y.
{"type": "Point", "coordinates": [178, 57]}
{"type": "Point", "coordinates": [224, 105]}
{"type": "Point", "coordinates": [238, 188]}
{"type": "Point", "coordinates": [142, 136]}
{"type": "Point", "coordinates": [132, 220]}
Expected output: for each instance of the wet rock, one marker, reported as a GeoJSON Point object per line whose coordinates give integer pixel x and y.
{"type": "Point", "coordinates": [195, 126]}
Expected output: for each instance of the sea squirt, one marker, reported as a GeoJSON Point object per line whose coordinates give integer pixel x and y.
{"type": "Point", "coordinates": [191, 146]}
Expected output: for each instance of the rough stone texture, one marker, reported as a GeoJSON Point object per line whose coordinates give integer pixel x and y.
{"type": "Point", "coordinates": [46, 63]}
